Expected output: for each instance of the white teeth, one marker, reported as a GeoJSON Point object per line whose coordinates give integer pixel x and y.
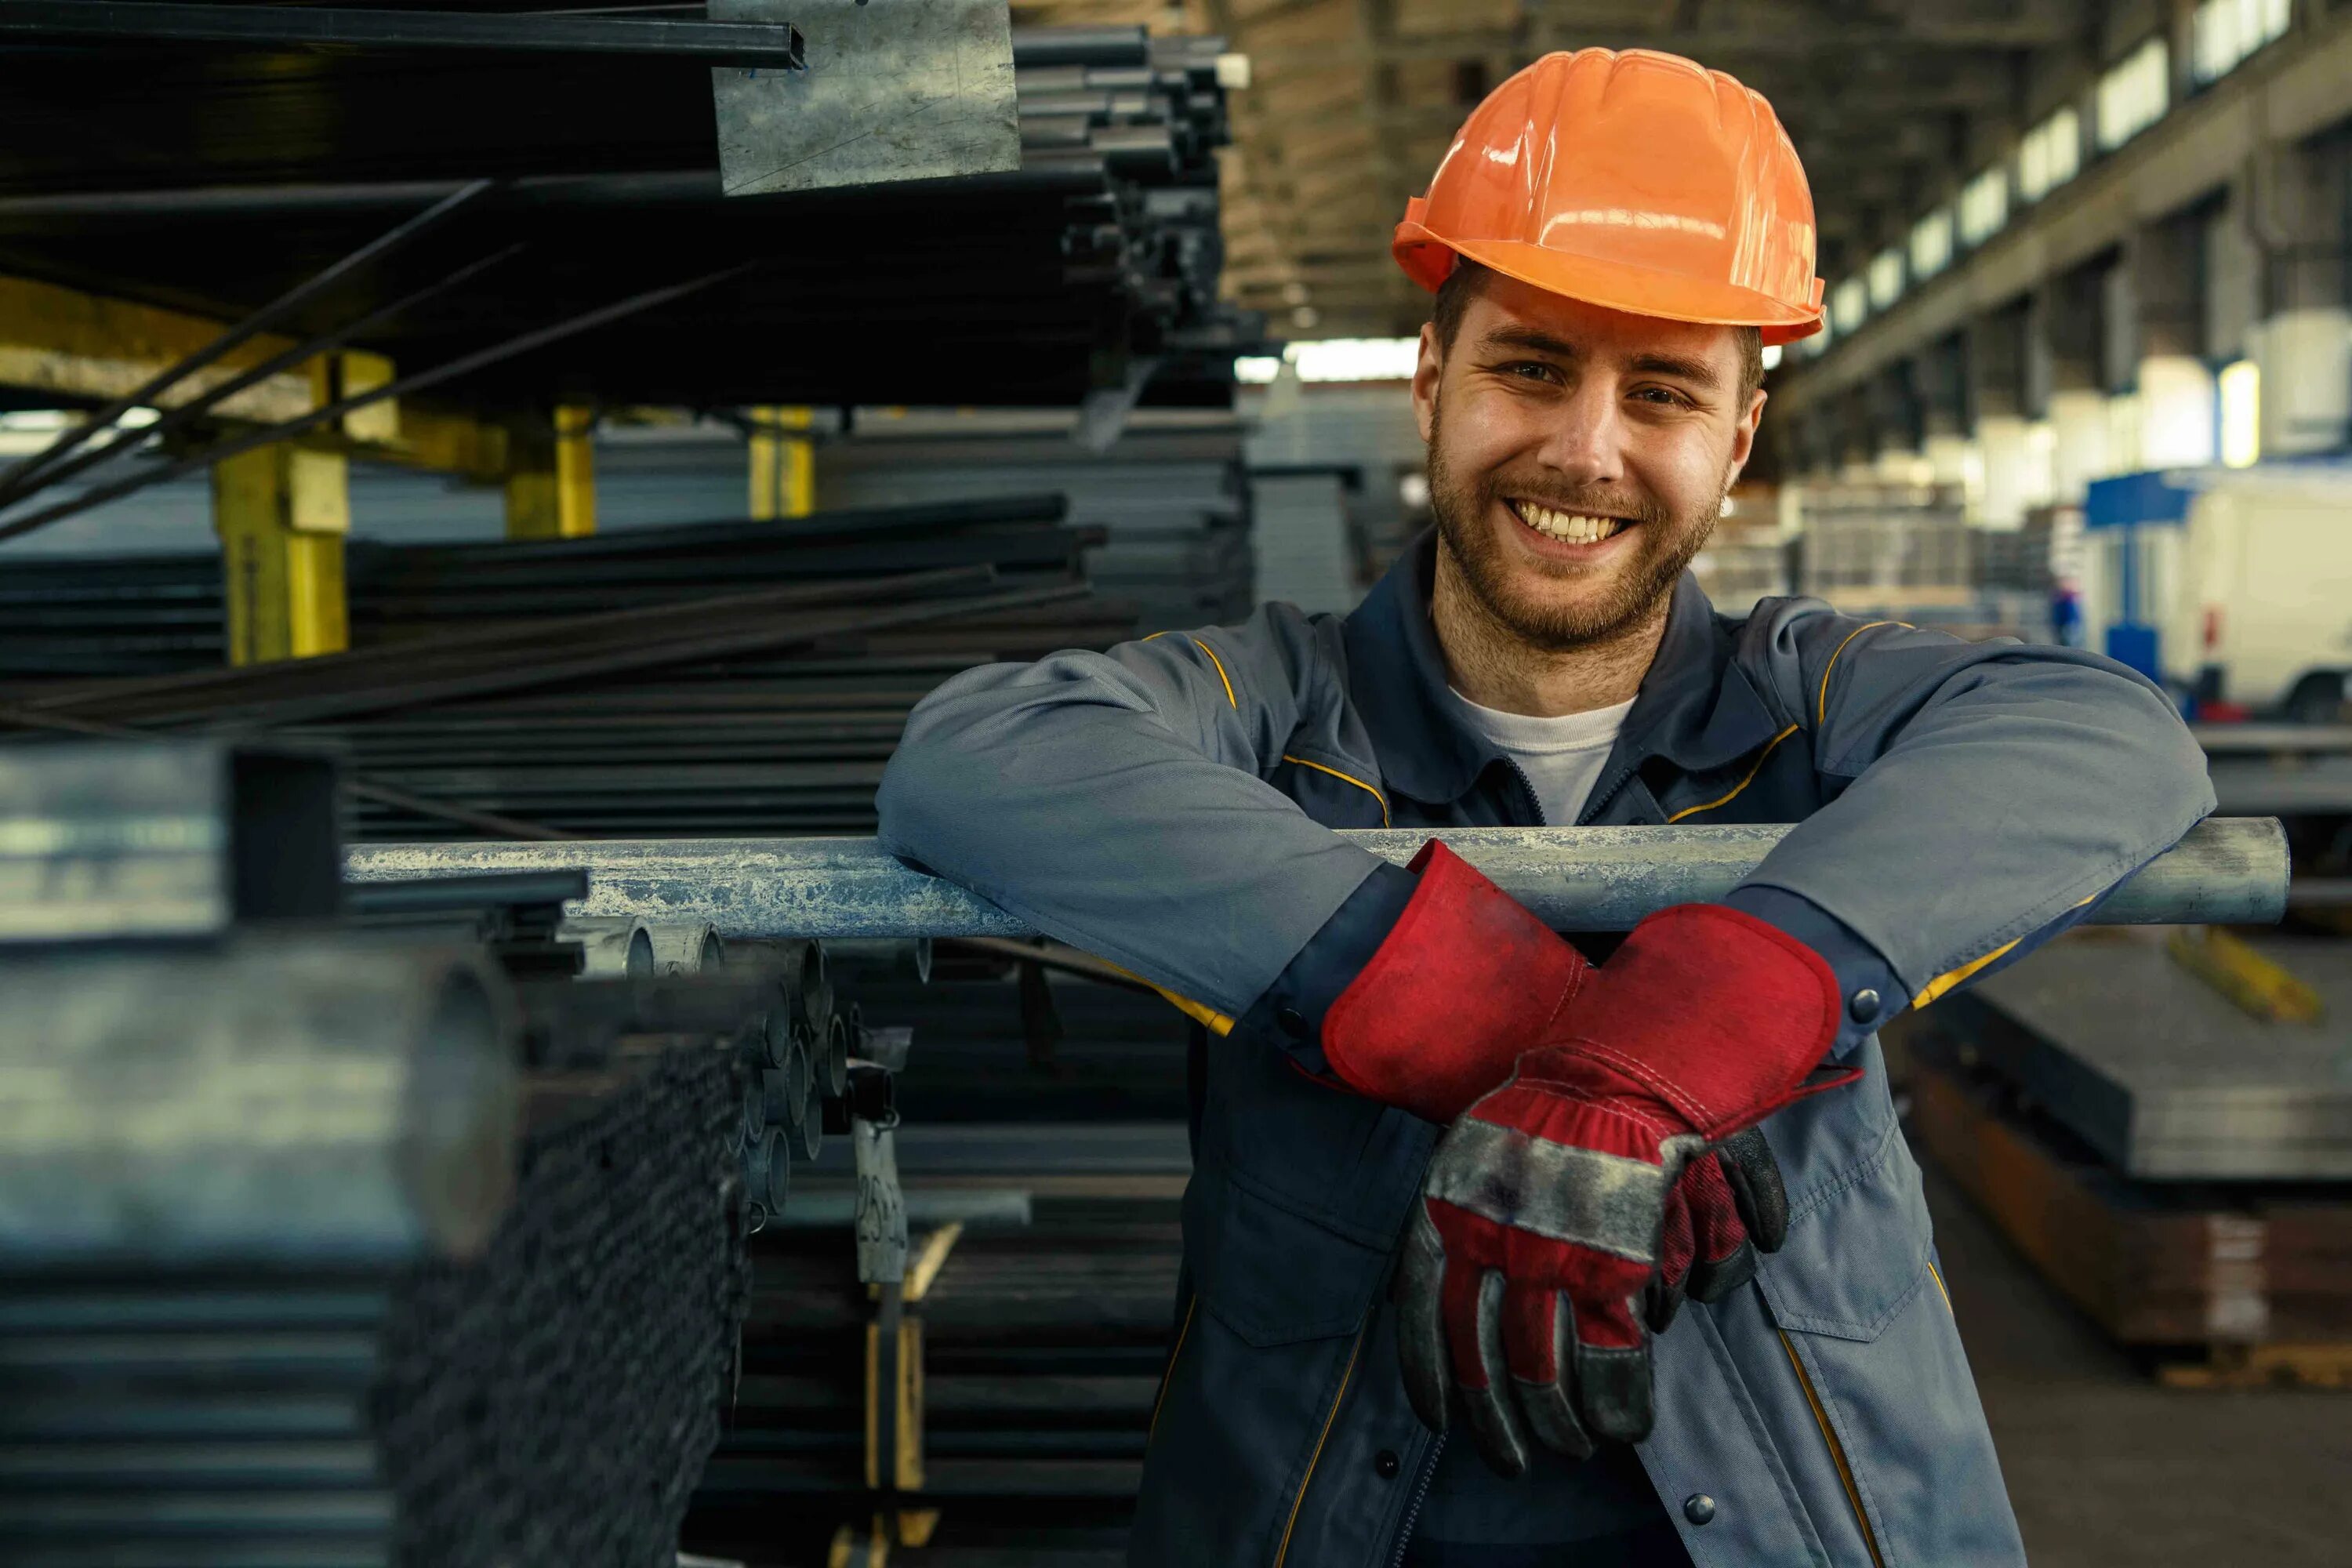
{"type": "Point", "coordinates": [1569, 528]}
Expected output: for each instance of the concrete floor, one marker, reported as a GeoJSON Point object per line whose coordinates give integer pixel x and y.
{"type": "Point", "coordinates": [2106, 1467]}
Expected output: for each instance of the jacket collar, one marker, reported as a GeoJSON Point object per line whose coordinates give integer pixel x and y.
{"type": "Point", "coordinates": [1695, 709]}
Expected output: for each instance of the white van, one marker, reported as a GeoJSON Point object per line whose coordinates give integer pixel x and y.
{"type": "Point", "coordinates": [2258, 612]}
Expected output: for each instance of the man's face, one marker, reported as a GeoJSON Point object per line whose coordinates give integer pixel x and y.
{"type": "Point", "coordinates": [1578, 456]}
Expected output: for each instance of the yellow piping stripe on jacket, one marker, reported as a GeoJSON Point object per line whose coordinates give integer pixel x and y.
{"type": "Point", "coordinates": [1743, 783]}
{"type": "Point", "coordinates": [1837, 1449]}
{"type": "Point", "coordinates": [1951, 977]}
{"type": "Point", "coordinates": [1938, 1279]}
{"type": "Point", "coordinates": [1220, 663]}
{"type": "Point", "coordinates": [1199, 1011]}
{"type": "Point", "coordinates": [1321, 1438]}
{"type": "Point", "coordinates": [1351, 778]}
{"type": "Point", "coordinates": [1822, 715]}
{"type": "Point", "coordinates": [1168, 1376]}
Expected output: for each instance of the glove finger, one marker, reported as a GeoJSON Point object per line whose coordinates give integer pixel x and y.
{"type": "Point", "coordinates": [1724, 1259]}
{"type": "Point", "coordinates": [1678, 1241]}
{"type": "Point", "coordinates": [1612, 1357]}
{"type": "Point", "coordinates": [1483, 1397]}
{"type": "Point", "coordinates": [1712, 1281]}
{"type": "Point", "coordinates": [1662, 1299]}
{"type": "Point", "coordinates": [1421, 1319]}
{"type": "Point", "coordinates": [1544, 1404]}
{"type": "Point", "coordinates": [1753, 1177]}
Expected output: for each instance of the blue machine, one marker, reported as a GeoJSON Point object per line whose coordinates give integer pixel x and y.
{"type": "Point", "coordinates": [2130, 503]}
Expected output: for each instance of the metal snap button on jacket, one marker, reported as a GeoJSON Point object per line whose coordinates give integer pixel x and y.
{"type": "Point", "coordinates": [1863, 1006]}
{"type": "Point", "coordinates": [1291, 1022]}
{"type": "Point", "coordinates": [1698, 1507]}
{"type": "Point", "coordinates": [1386, 1463]}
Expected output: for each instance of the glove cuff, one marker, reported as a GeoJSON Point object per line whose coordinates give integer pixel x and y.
{"type": "Point", "coordinates": [1465, 980]}
{"type": "Point", "coordinates": [1717, 1014]}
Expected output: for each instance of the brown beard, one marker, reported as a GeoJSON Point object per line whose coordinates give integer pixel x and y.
{"type": "Point", "coordinates": [1664, 546]}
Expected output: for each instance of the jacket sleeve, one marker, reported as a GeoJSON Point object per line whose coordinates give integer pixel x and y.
{"type": "Point", "coordinates": [1986, 796]}
{"type": "Point", "coordinates": [1119, 801]}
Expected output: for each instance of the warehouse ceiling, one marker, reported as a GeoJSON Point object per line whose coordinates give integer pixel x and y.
{"type": "Point", "coordinates": [1352, 102]}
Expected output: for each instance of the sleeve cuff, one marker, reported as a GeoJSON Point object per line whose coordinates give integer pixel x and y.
{"type": "Point", "coordinates": [1865, 979]}
{"type": "Point", "coordinates": [1290, 1012]}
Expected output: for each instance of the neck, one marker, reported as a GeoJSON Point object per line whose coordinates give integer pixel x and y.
{"type": "Point", "coordinates": [1496, 667]}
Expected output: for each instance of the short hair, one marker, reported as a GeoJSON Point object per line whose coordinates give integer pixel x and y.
{"type": "Point", "coordinates": [1462, 285]}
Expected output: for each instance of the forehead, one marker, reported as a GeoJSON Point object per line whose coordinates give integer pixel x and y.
{"type": "Point", "coordinates": [1503, 303]}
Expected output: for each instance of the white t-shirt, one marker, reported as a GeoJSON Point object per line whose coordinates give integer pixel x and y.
{"type": "Point", "coordinates": [1561, 757]}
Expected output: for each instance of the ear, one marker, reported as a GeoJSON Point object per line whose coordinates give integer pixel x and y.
{"type": "Point", "coordinates": [1743, 436]}
{"type": "Point", "coordinates": [1426, 372]}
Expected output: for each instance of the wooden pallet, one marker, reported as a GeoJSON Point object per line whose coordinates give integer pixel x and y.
{"type": "Point", "coordinates": [2258, 1283]}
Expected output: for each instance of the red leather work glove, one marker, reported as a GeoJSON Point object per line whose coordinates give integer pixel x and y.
{"type": "Point", "coordinates": [1544, 1234]}
{"type": "Point", "coordinates": [1466, 982]}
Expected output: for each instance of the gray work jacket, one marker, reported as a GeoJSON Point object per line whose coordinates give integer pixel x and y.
{"type": "Point", "coordinates": [1166, 804]}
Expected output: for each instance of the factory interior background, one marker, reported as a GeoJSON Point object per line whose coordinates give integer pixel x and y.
{"type": "Point", "coordinates": [427, 453]}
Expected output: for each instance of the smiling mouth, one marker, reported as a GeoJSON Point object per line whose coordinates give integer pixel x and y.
{"type": "Point", "coordinates": [1566, 527]}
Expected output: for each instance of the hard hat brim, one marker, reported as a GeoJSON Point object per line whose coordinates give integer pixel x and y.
{"type": "Point", "coordinates": [1611, 285]}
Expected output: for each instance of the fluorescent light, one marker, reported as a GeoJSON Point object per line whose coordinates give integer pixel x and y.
{"type": "Point", "coordinates": [2050, 156]}
{"type": "Point", "coordinates": [1356, 359]}
{"type": "Point", "coordinates": [2223, 34]}
{"type": "Point", "coordinates": [1984, 205]}
{"type": "Point", "coordinates": [1256, 370]}
{"type": "Point", "coordinates": [2240, 391]}
{"type": "Point", "coordinates": [1931, 244]}
{"type": "Point", "coordinates": [1886, 277]}
{"type": "Point", "coordinates": [1849, 305]}
{"type": "Point", "coordinates": [2134, 93]}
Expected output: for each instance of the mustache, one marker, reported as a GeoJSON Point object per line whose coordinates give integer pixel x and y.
{"type": "Point", "coordinates": [1586, 502]}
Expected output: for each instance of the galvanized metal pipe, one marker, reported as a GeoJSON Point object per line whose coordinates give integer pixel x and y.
{"type": "Point", "coordinates": [327, 1098]}
{"type": "Point", "coordinates": [2228, 870]}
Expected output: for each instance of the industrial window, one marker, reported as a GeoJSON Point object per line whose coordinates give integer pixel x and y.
{"type": "Point", "coordinates": [1931, 244]}
{"type": "Point", "coordinates": [2051, 154]}
{"type": "Point", "coordinates": [1886, 277]}
{"type": "Point", "coordinates": [2133, 94]}
{"type": "Point", "coordinates": [2223, 33]}
{"type": "Point", "coordinates": [1849, 305]}
{"type": "Point", "coordinates": [1984, 205]}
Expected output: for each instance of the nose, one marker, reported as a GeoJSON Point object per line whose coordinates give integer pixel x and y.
{"type": "Point", "coordinates": [1585, 443]}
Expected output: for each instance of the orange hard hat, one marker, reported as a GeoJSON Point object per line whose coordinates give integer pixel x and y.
{"type": "Point", "coordinates": [1638, 181]}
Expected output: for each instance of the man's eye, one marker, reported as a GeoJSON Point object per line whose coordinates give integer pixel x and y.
{"type": "Point", "coordinates": [1529, 370]}
{"type": "Point", "coordinates": [1666, 397]}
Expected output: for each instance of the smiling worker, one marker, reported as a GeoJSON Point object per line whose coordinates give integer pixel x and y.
{"type": "Point", "coordinates": [1453, 1185]}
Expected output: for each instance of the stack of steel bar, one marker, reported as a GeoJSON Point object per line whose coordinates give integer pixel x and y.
{"type": "Point", "coordinates": [1170, 495]}
{"type": "Point", "coordinates": [706, 704]}
{"type": "Point", "coordinates": [94, 616]}
{"type": "Point", "coordinates": [1091, 269]}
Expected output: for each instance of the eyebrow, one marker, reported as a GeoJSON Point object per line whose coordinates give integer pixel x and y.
{"type": "Point", "coordinates": [1697, 372]}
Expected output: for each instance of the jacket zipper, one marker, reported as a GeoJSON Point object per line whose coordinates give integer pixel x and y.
{"type": "Point", "coordinates": [1420, 1496]}
{"type": "Point", "coordinates": [1837, 1449]}
{"type": "Point", "coordinates": [1527, 789]}
{"type": "Point", "coordinates": [1167, 1373]}
{"type": "Point", "coordinates": [1355, 1353]}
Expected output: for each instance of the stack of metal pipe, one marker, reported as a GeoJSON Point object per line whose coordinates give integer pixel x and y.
{"type": "Point", "coordinates": [365, 1238]}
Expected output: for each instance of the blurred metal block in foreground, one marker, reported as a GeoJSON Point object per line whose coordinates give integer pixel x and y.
{"type": "Point", "coordinates": [177, 838]}
{"type": "Point", "coordinates": [2226, 871]}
